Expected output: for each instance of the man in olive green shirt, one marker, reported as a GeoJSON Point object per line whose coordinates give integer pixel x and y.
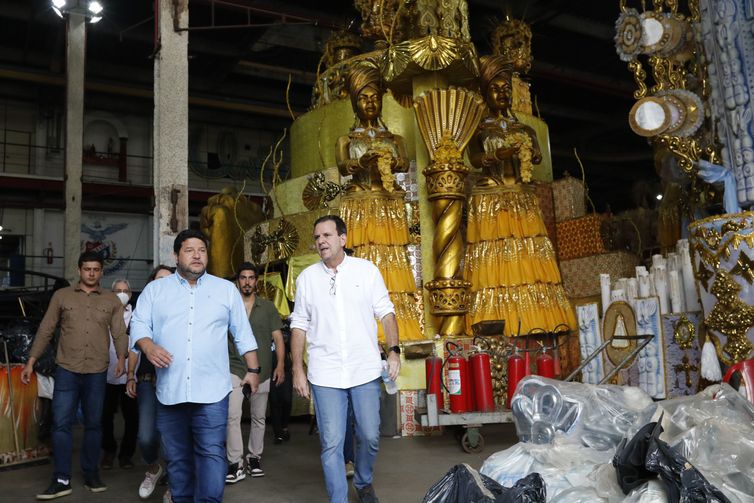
{"type": "Point", "coordinates": [88, 316]}
{"type": "Point", "coordinates": [266, 326]}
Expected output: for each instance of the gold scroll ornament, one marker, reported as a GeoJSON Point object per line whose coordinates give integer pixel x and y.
{"type": "Point", "coordinates": [447, 120]}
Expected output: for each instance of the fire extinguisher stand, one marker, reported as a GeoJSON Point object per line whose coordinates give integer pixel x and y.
{"type": "Point", "coordinates": [472, 440]}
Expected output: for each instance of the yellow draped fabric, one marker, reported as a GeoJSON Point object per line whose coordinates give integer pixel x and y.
{"type": "Point", "coordinates": [378, 231]}
{"type": "Point", "coordinates": [274, 291]}
{"type": "Point", "coordinates": [295, 266]}
{"type": "Point", "coordinates": [511, 262]}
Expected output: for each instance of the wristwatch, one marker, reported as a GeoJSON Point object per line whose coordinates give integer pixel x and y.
{"type": "Point", "coordinates": [257, 370]}
{"type": "Point", "coordinates": [394, 349]}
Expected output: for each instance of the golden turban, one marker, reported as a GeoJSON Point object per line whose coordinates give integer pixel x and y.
{"type": "Point", "coordinates": [491, 67]}
{"type": "Point", "coordinates": [363, 75]}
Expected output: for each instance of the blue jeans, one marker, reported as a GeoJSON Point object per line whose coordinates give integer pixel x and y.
{"type": "Point", "coordinates": [331, 405]}
{"type": "Point", "coordinates": [149, 438]}
{"type": "Point", "coordinates": [70, 388]}
{"type": "Point", "coordinates": [193, 440]}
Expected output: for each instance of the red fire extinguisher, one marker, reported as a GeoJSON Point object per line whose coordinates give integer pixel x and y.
{"type": "Point", "coordinates": [516, 372]}
{"type": "Point", "coordinates": [458, 380]}
{"type": "Point", "coordinates": [545, 364]}
{"type": "Point", "coordinates": [433, 373]}
{"type": "Point", "coordinates": [481, 375]}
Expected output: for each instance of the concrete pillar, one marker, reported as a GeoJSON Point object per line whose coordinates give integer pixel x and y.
{"type": "Point", "coordinates": [74, 139]}
{"type": "Point", "coordinates": [170, 136]}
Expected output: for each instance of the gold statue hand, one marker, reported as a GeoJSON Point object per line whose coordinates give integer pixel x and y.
{"type": "Point", "coordinates": [504, 153]}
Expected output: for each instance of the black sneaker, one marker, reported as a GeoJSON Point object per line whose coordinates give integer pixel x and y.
{"type": "Point", "coordinates": [235, 473]}
{"type": "Point", "coordinates": [95, 485]}
{"type": "Point", "coordinates": [286, 436]}
{"type": "Point", "coordinates": [278, 440]}
{"type": "Point", "coordinates": [253, 467]}
{"type": "Point", "coordinates": [56, 490]}
{"type": "Point", "coordinates": [366, 495]}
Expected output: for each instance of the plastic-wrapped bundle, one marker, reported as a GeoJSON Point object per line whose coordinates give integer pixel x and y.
{"type": "Point", "coordinates": [596, 416]}
{"type": "Point", "coordinates": [18, 335]}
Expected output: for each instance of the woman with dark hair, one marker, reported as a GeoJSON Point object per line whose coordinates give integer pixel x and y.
{"type": "Point", "coordinates": [141, 385]}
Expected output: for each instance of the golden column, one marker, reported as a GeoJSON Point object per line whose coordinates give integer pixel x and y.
{"type": "Point", "coordinates": [447, 120]}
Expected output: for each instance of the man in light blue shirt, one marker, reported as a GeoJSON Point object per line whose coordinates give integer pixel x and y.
{"type": "Point", "coordinates": [181, 324]}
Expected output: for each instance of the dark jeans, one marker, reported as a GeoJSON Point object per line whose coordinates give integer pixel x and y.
{"type": "Point", "coordinates": [70, 388]}
{"type": "Point", "coordinates": [193, 439]}
{"type": "Point", "coordinates": [149, 438]}
{"type": "Point", "coordinates": [281, 399]}
{"type": "Point", "coordinates": [115, 396]}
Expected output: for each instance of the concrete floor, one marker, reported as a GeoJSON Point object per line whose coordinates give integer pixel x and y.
{"type": "Point", "coordinates": [406, 468]}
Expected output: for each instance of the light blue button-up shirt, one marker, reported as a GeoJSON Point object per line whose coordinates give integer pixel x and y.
{"type": "Point", "coordinates": [192, 324]}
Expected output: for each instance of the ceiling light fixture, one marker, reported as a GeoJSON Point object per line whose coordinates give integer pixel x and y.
{"type": "Point", "coordinates": [659, 197]}
{"type": "Point", "coordinates": [91, 9]}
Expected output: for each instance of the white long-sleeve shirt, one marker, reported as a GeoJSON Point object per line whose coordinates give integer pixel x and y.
{"type": "Point", "coordinates": [338, 312]}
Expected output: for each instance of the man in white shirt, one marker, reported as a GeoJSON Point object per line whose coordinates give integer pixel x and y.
{"type": "Point", "coordinates": [338, 301]}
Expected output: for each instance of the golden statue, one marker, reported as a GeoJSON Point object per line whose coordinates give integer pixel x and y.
{"type": "Point", "coordinates": [370, 153]}
{"type": "Point", "coordinates": [506, 149]}
{"type": "Point", "coordinates": [373, 206]}
{"type": "Point", "coordinates": [225, 220]}
{"type": "Point", "coordinates": [510, 262]}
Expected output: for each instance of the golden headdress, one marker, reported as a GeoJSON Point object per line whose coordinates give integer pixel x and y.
{"type": "Point", "coordinates": [364, 74]}
{"type": "Point", "coordinates": [491, 67]}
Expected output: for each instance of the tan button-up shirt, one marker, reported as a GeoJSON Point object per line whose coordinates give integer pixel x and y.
{"type": "Point", "coordinates": [86, 322]}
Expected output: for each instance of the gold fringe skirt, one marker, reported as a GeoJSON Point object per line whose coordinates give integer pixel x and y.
{"type": "Point", "coordinates": [377, 226]}
{"type": "Point", "coordinates": [503, 212]}
{"type": "Point", "coordinates": [511, 262]}
{"type": "Point", "coordinates": [541, 306]}
{"type": "Point", "coordinates": [375, 218]}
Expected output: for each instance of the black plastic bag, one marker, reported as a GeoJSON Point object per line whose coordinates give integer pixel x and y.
{"type": "Point", "coordinates": [645, 456]}
{"type": "Point", "coordinates": [682, 481]}
{"type": "Point", "coordinates": [630, 457]}
{"type": "Point", "coordinates": [463, 484]}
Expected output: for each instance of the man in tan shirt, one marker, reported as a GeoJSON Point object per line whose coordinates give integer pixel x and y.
{"type": "Point", "coordinates": [87, 315]}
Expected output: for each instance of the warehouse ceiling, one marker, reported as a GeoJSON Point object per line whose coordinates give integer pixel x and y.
{"type": "Point", "coordinates": [580, 87]}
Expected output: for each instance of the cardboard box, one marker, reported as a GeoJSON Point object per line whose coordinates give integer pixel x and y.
{"type": "Point", "coordinates": [569, 196]}
{"type": "Point", "coordinates": [410, 400]}
{"type": "Point", "coordinates": [580, 237]}
{"type": "Point", "coordinates": [581, 276]}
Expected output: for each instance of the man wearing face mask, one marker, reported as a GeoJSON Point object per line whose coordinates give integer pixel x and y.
{"type": "Point", "coordinates": [115, 396]}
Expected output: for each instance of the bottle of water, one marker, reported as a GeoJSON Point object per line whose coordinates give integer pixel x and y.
{"type": "Point", "coordinates": [390, 385]}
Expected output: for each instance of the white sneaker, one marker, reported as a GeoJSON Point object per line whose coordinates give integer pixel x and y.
{"type": "Point", "coordinates": [167, 497]}
{"type": "Point", "coordinates": [149, 483]}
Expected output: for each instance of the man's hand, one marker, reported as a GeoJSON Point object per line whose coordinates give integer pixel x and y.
{"type": "Point", "coordinates": [27, 371]}
{"type": "Point", "coordinates": [131, 388]}
{"type": "Point", "coordinates": [393, 365]}
{"type": "Point", "coordinates": [158, 355]}
{"type": "Point", "coordinates": [278, 377]}
{"type": "Point", "coordinates": [120, 368]}
{"type": "Point", "coordinates": [252, 380]}
{"type": "Point", "coordinates": [300, 383]}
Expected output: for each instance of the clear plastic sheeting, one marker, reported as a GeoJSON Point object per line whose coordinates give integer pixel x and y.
{"type": "Point", "coordinates": [463, 484]}
{"type": "Point", "coordinates": [596, 416]}
{"type": "Point", "coordinates": [562, 466]}
{"type": "Point", "coordinates": [714, 431]}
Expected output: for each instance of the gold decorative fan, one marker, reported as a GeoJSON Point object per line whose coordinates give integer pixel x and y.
{"type": "Point", "coordinates": [452, 113]}
{"type": "Point", "coordinates": [318, 192]}
{"type": "Point", "coordinates": [283, 240]}
{"type": "Point", "coordinates": [266, 290]}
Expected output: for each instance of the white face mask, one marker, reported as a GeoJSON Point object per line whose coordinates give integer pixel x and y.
{"type": "Point", "coordinates": [123, 297]}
